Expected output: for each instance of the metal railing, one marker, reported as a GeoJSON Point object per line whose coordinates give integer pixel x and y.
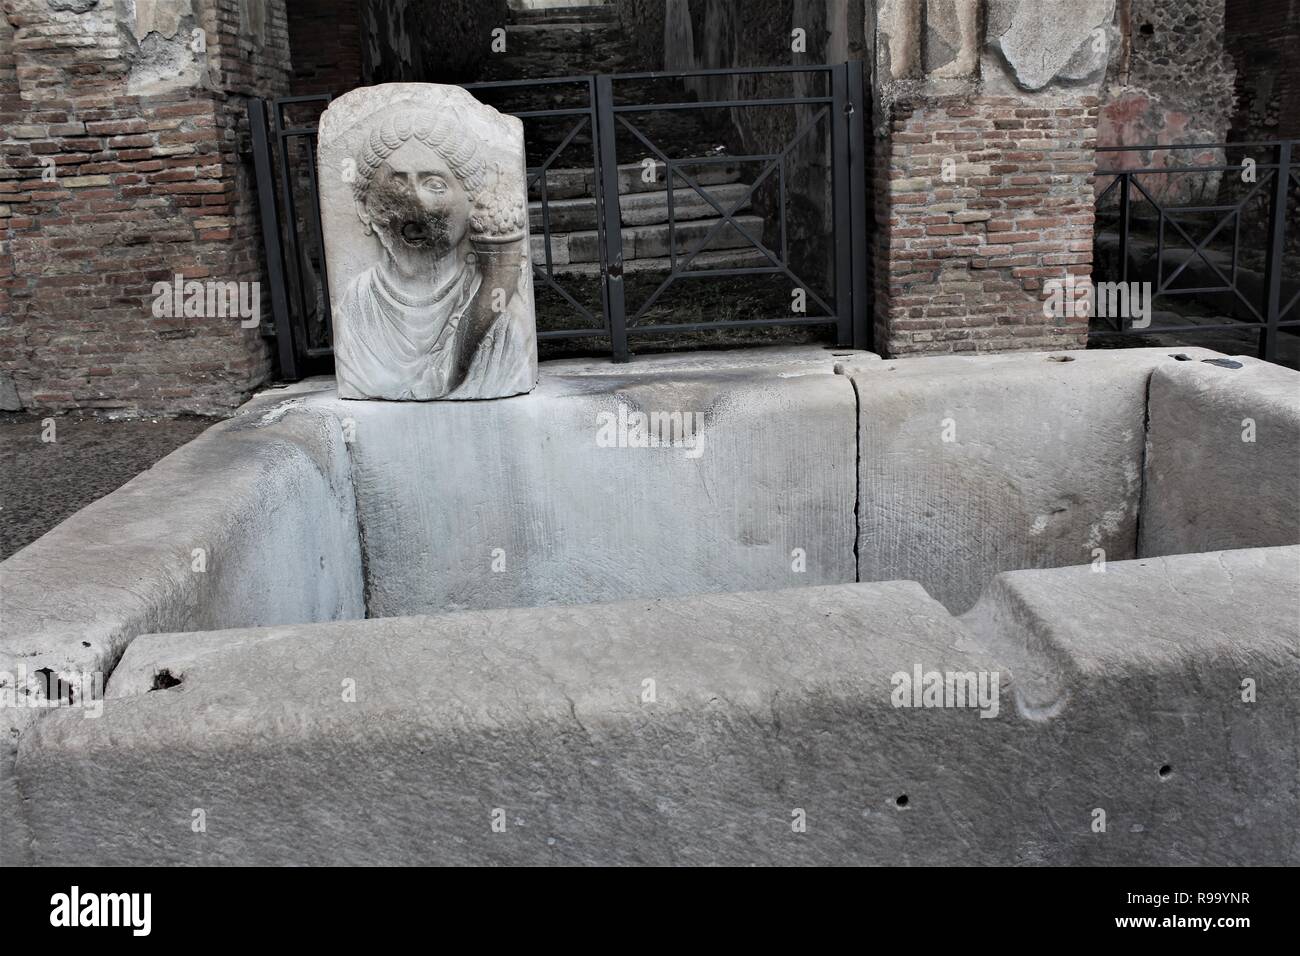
{"type": "Point", "coordinates": [585, 118]}
{"type": "Point", "coordinates": [1252, 293]}
{"type": "Point", "coordinates": [291, 282]}
{"type": "Point", "coordinates": [602, 110]}
{"type": "Point", "coordinates": [841, 110]}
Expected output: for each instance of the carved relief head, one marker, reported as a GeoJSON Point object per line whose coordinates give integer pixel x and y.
{"type": "Point", "coordinates": [424, 215]}
{"type": "Point", "coordinates": [416, 187]}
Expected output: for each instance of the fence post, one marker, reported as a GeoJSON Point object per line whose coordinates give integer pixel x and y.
{"type": "Point", "coordinates": [328, 314]}
{"type": "Point", "coordinates": [841, 201]}
{"type": "Point", "coordinates": [1273, 267]}
{"type": "Point", "coordinates": [862, 325]}
{"type": "Point", "coordinates": [270, 222]}
{"type": "Point", "coordinates": [611, 266]}
{"type": "Point", "coordinates": [1125, 225]}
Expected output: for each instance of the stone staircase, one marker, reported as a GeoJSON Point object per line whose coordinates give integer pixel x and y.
{"type": "Point", "coordinates": [566, 40]}
{"type": "Point", "coordinates": [563, 41]}
{"type": "Point", "coordinates": [647, 237]}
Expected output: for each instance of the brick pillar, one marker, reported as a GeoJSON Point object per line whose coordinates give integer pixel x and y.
{"type": "Point", "coordinates": [124, 167]}
{"type": "Point", "coordinates": [10, 108]}
{"type": "Point", "coordinates": [979, 201]}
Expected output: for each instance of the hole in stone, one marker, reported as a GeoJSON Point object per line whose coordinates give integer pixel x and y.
{"type": "Point", "coordinates": [415, 233]}
{"type": "Point", "coordinates": [901, 802]}
{"type": "Point", "coordinates": [1060, 358]}
{"type": "Point", "coordinates": [164, 679]}
{"type": "Point", "coordinates": [1166, 771]}
{"type": "Point", "coordinates": [1180, 357]}
{"type": "Point", "coordinates": [1147, 29]}
{"type": "Point", "coordinates": [1222, 363]}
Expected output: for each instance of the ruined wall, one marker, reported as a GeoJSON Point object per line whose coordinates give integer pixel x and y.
{"type": "Point", "coordinates": [643, 27]}
{"type": "Point", "coordinates": [418, 42]}
{"type": "Point", "coordinates": [325, 41]}
{"type": "Point", "coordinates": [339, 45]}
{"type": "Point", "coordinates": [686, 34]}
{"type": "Point", "coordinates": [126, 164]}
{"type": "Point", "coordinates": [10, 109]}
{"type": "Point", "coordinates": [1203, 71]}
{"type": "Point", "coordinates": [1172, 80]}
{"type": "Point", "coordinates": [1262, 38]}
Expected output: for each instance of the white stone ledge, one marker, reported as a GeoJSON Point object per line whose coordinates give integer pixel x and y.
{"type": "Point", "coordinates": [765, 703]}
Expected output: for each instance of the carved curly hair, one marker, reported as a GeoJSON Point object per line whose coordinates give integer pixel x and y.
{"type": "Point", "coordinates": [442, 132]}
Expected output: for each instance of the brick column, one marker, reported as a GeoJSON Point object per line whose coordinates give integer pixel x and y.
{"type": "Point", "coordinates": [124, 167]}
{"type": "Point", "coordinates": [10, 109]}
{"type": "Point", "coordinates": [980, 200]}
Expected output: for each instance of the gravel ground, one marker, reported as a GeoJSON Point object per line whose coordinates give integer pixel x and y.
{"type": "Point", "coordinates": [45, 482]}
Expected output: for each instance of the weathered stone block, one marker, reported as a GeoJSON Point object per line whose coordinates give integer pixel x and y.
{"type": "Point", "coordinates": [1166, 685]}
{"type": "Point", "coordinates": [760, 704]}
{"type": "Point", "coordinates": [552, 499]}
{"type": "Point", "coordinates": [971, 466]}
{"type": "Point", "coordinates": [700, 730]}
{"type": "Point", "coordinates": [1222, 457]}
{"type": "Point", "coordinates": [252, 523]}
{"type": "Point", "coordinates": [1038, 44]}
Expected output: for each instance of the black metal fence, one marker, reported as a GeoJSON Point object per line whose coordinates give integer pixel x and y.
{"type": "Point", "coordinates": [1216, 235]}
{"type": "Point", "coordinates": [605, 116]}
{"type": "Point", "coordinates": [284, 162]}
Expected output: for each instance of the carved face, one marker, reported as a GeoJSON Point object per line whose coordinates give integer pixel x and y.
{"type": "Point", "coordinates": [417, 207]}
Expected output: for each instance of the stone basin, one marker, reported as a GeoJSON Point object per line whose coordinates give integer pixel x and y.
{"type": "Point", "coordinates": [1115, 534]}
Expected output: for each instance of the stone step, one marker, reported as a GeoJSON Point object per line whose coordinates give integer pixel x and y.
{"type": "Point", "coordinates": [577, 30]}
{"type": "Point", "coordinates": [554, 21]}
{"type": "Point", "coordinates": [640, 209]}
{"type": "Point", "coordinates": [717, 259]}
{"type": "Point", "coordinates": [567, 15]}
{"type": "Point", "coordinates": [542, 9]}
{"type": "Point", "coordinates": [648, 242]}
{"type": "Point", "coordinates": [577, 182]}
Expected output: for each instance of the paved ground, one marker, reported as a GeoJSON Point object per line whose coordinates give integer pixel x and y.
{"type": "Point", "coordinates": [41, 483]}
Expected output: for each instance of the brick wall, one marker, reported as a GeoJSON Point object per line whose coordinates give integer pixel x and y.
{"type": "Point", "coordinates": [325, 37]}
{"type": "Point", "coordinates": [960, 265]}
{"type": "Point", "coordinates": [10, 110]}
{"type": "Point", "coordinates": [152, 179]}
